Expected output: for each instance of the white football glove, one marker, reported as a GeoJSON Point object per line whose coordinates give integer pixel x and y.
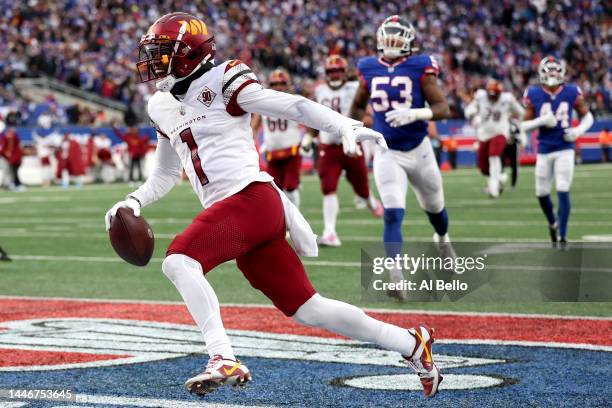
{"type": "Point", "coordinates": [571, 134]}
{"type": "Point", "coordinates": [476, 121]}
{"type": "Point", "coordinates": [354, 133]}
{"type": "Point", "coordinates": [306, 146]}
{"type": "Point", "coordinates": [549, 120]}
{"type": "Point", "coordinates": [262, 148]}
{"type": "Point", "coordinates": [127, 203]}
{"type": "Point", "coordinates": [405, 116]}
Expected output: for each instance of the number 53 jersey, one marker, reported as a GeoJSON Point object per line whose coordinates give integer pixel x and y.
{"type": "Point", "coordinates": [208, 134]}
{"type": "Point", "coordinates": [561, 103]}
{"type": "Point", "coordinates": [397, 86]}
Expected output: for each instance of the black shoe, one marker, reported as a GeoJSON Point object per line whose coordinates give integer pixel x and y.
{"type": "Point", "coordinates": [563, 244]}
{"type": "Point", "coordinates": [4, 256]}
{"type": "Point", "coordinates": [552, 230]}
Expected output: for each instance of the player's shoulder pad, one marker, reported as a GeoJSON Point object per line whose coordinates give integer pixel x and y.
{"type": "Point", "coordinates": [367, 63]}
{"type": "Point", "coordinates": [574, 89]}
{"type": "Point", "coordinates": [480, 94]}
{"type": "Point", "coordinates": [507, 96]}
{"type": "Point", "coordinates": [236, 76]}
{"type": "Point", "coordinates": [427, 63]}
{"type": "Point", "coordinates": [157, 103]}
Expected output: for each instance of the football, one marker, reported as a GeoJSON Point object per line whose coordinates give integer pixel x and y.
{"type": "Point", "coordinates": [131, 237]}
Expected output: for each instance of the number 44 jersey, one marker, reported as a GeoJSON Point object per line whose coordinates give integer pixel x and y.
{"type": "Point", "coordinates": [208, 134]}
{"type": "Point", "coordinates": [397, 86]}
{"type": "Point", "coordinates": [561, 103]}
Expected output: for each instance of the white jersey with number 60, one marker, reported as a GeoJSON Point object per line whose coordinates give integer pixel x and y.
{"type": "Point", "coordinates": [495, 115]}
{"type": "Point", "coordinates": [280, 133]}
{"type": "Point", "coordinates": [339, 100]}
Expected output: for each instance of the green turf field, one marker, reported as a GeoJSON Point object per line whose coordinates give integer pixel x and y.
{"type": "Point", "coordinates": [57, 239]}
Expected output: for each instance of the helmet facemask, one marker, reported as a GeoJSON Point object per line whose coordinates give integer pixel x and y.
{"type": "Point", "coordinates": [551, 72]}
{"type": "Point", "coordinates": [335, 77]}
{"type": "Point", "coordinates": [394, 38]}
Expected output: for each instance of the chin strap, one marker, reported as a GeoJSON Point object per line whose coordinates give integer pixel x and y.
{"type": "Point", "coordinates": [167, 83]}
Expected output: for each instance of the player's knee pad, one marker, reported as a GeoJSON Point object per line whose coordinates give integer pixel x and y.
{"type": "Point", "coordinates": [171, 265]}
{"type": "Point", "coordinates": [542, 186]}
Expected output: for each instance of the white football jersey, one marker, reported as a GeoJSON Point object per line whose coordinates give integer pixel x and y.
{"type": "Point", "coordinates": [210, 133]}
{"type": "Point", "coordinates": [339, 100]}
{"type": "Point", "coordinates": [495, 116]}
{"type": "Point", "coordinates": [280, 133]}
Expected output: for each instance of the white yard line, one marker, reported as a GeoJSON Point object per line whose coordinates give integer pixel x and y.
{"type": "Point", "coordinates": [373, 310]}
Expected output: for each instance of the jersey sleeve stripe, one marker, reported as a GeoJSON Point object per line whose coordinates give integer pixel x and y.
{"type": "Point", "coordinates": [232, 106]}
{"type": "Point", "coordinates": [236, 76]}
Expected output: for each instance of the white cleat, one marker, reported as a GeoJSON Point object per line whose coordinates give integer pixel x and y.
{"type": "Point", "coordinates": [445, 247]}
{"type": "Point", "coordinates": [422, 361]}
{"type": "Point", "coordinates": [219, 372]}
{"type": "Point", "coordinates": [329, 239]}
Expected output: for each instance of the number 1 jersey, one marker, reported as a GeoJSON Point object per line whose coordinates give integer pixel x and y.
{"type": "Point", "coordinates": [397, 86]}
{"type": "Point", "coordinates": [210, 133]}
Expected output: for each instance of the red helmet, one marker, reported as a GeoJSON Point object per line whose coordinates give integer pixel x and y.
{"type": "Point", "coordinates": [494, 88]}
{"type": "Point", "coordinates": [335, 70]}
{"type": "Point", "coordinates": [278, 77]}
{"type": "Point", "coordinates": [176, 44]}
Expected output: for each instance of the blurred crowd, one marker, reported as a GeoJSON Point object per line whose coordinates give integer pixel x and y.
{"type": "Point", "coordinates": [64, 158]}
{"type": "Point", "coordinates": [92, 44]}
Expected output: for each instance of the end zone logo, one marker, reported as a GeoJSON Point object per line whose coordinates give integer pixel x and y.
{"type": "Point", "coordinates": [51, 342]}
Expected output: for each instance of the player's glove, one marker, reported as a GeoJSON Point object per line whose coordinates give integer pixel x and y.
{"type": "Point", "coordinates": [476, 121]}
{"type": "Point", "coordinates": [571, 134]}
{"type": "Point", "coordinates": [306, 149]}
{"type": "Point", "coordinates": [354, 133]}
{"type": "Point", "coordinates": [405, 116]}
{"type": "Point", "coordinates": [130, 202]}
{"type": "Point", "coordinates": [549, 120]}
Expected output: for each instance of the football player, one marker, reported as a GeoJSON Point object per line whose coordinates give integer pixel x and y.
{"type": "Point", "coordinates": [202, 117]}
{"type": "Point", "coordinates": [550, 109]}
{"type": "Point", "coordinates": [281, 143]}
{"type": "Point", "coordinates": [398, 84]}
{"type": "Point", "coordinates": [337, 93]}
{"type": "Point", "coordinates": [490, 113]}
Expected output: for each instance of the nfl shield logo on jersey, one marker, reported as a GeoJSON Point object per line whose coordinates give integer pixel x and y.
{"type": "Point", "coordinates": [207, 96]}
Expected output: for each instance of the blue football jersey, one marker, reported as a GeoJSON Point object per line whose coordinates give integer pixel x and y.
{"type": "Point", "coordinates": [394, 87]}
{"type": "Point", "coordinates": [562, 106]}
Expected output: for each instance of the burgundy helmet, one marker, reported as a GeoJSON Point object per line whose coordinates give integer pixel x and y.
{"type": "Point", "coordinates": [175, 45]}
{"type": "Point", "coordinates": [335, 70]}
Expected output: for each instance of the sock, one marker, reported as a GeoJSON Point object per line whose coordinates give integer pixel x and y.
{"type": "Point", "coordinates": [372, 201]}
{"type": "Point", "coordinates": [330, 213]}
{"type": "Point", "coordinates": [439, 221]}
{"type": "Point", "coordinates": [547, 208]}
{"type": "Point", "coordinates": [392, 233]}
{"type": "Point", "coordinates": [294, 197]}
{"type": "Point", "coordinates": [495, 172]}
{"type": "Point", "coordinates": [187, 275]}
{"type": "Point", "coordinates": [350, 321]}
{"type": "Point", "coordinates": [565, 208]}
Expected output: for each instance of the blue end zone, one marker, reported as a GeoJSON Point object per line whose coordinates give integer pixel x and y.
{"type": "Point", "coordinates": [532, 376]}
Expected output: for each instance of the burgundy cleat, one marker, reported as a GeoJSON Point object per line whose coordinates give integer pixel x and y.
{"type": "Point", "coordinates": [422, 361]}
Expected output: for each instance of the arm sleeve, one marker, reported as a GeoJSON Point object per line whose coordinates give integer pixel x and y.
{"type": "Point", "coordinates": [517, 108]}
{"type": "Point", "coordinates": [166, 174]}
{"type": "Point", "coordinates": [253, 98]}
{"type": "Point", "coordinates": [471, 110]}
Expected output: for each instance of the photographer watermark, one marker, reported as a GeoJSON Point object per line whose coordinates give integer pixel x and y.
{"type": "Point", "coordinates": [487, 272]}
